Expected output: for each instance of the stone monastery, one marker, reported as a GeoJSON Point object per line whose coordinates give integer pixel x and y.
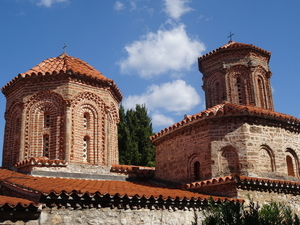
{"type": "Point", "coordinates": [60, 155]}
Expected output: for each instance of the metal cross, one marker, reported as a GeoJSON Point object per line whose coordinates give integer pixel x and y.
{"type": "Point", "coordinates": [65, 47]}
{"type": "Point", "coordinates": [230, 36]}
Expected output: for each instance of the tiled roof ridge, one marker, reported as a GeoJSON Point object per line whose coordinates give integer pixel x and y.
{"type": "Point", "coordinates": [236, 178]}
{"type": "Point", "coordinates": [139, 171]}
{"type": "Point", "coordinates": [41, 161]}
{"type": "Point", "coordinates": [228, 109]}
{"type": "Point", "coordinates": [235, 45]}
{"type": "Point", "coordinates": [125, 168]}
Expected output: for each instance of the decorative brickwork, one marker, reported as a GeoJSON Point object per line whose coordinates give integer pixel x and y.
{"type": "Point", "coordinates": [62, 109]}
{"type": "Point", "coordinates": [241, 135]}
{"type": "Point", "coordinates": [237, 73]}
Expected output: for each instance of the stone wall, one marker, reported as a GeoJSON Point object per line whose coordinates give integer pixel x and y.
{"type": "Point", "coordinates": [108, 216]}
{"type": "Point", "coordinates": [265, 197]}
{"type": "Point", "coordinates": [249, 146]}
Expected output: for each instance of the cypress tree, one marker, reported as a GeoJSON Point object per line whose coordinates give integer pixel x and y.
{"type": "Point", "coordinates": [134, 130]}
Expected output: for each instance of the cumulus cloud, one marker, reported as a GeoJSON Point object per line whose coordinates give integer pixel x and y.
{"type": "Point", "coordinates": [119, 6]}
{"type": "Point", "coordinates": [176, 96]}
{"type": "Point", "coordinates": [161, 120]}
{"type": "Point", "coordinates": [48, 3]}
{"type": "Point", "coordinates": [176, 8]}
{"type": "Point", "coordinates": [161, 52]}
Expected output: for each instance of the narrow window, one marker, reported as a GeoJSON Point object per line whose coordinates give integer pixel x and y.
{"type": "Point", "coordinates": [261, 95]}
{"type": "Point", "coordinates": [46, 145]}
{"type": "Point", "coordinates": [85, 149]}
{"type": "Point", "coordinates": [46, 119]}
{"type": "Point", "coordinates": [86, 118]}
{"type": "Point", "coordinates": [217, 93]}
{"type": "Point", "coordinates": [239, 90]}
{"type": "Point", "coordinates": [197, 170]}
{"type": "Point", "coordinates": [290, 166]}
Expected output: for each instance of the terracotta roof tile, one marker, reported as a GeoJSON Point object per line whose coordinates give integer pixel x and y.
{"type": "Point", "coordinates": [14, 202]}
{"type": "Point", "coordinates": [81, 186]}
{"type": "Point", "coordinates": [140, 171]}
{"type": "Point", "coordinates": [235, 178]}
{"type": "Point", "coordinates": [227, 109]}
{"type": "Point", "coordinates": [65, 64]}
{"type": "Point", "coordinates": [235, 45]}
{"type": "Point", "coordinates": [41, 161]}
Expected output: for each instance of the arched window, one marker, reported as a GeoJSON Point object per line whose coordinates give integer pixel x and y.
{"type": "Point", "coordinates": [290, 166]}
{"type": "Point", "coordinates": [266, 159]}
{"type": "Point", "coordinates": [197, 170]}
{"type": "Point", "coordinates": [292, 163]}
{"type": "Point", "coordinates": [229, 161]}
{"type": "Point", "coordinates": [46, 145]}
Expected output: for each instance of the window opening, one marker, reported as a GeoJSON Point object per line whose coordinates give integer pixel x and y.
{"type": "Point", "coordinates": [85, 149]}
{"type": "Point", "coordinates": [238, 84]}
{"type": "Point", "coordinates": [197, 170]}
{"type": "Point", "coordinates": [47, 119]}
{"type": "Point", "coordinates": [46, 145]}
{"type": "Point", "coordinates": [86, 120]}
{"type": "Point", "coordinates": [290, 166]}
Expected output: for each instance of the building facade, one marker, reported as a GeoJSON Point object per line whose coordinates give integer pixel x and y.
{"type": "Point", "coordinates": [239, 132]}
{"type": "Point", "coordinates": [62, 109]}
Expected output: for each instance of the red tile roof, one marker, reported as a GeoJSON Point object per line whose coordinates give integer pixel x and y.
{"type": "Point", "coordinates": [68, 65]}
{"type": "Point", "coordinates": [41, 161]}
{"type": "Point", "coordinates": [139, 171]}
{"type": "Point", "coordinates": [65, 63]}
{"type": "Point", "coordinates": [232, 45]}
{"type": "Point", "coordinates": [227, 109]}
{"type": "Point", "coordinates": [47, 186]}
{"type": "Point", "coordinates": [13, 202]}
{"type": "Point", "coordinates": [235, 178]}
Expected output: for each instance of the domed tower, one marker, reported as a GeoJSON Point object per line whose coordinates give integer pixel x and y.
{"type": "Point", "coordinates": [63, 109]}
{"type": "Point", "coordinates": [238, 73]}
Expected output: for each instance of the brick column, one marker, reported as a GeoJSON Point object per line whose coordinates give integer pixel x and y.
{"type": "Point", "coordinates": [68, 130]}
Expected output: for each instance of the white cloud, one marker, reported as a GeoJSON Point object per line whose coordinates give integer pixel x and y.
{"type": "Point", "coordinates": [48, 3]}
{"type": "Point", "coordinates": [176, 8]}
{"type": "Point", "coordinates": [161, 120]}
{"type": "Point", "coordinates": [176, 96]}
{"type": "Point", "coordinates": [119, 6]}
{"type": "Point", "coordinates": [161, 52]}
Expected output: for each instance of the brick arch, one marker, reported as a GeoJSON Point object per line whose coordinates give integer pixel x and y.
{"type": "Point", "coordinates": [215, 89]}
{"type": "Point", "coordinates": [292, 162]}
{"type": "Point", "coordinates": [266, 159]}
{"type": "Point", "coordinates": [228, 161]}
{"type": "Point", "coordinates": [192, 161]}
{"type": "Point", "coordinates": [261, 90]}
{"type": "Point", "coordinates": [93, 105]}
{"type": "Point", "coordinates": [13, 117]}
{"type": "Point", "coordinates": [239, 85]}
{"type": "Point", "coordinates": [112, 116]}
{"type": "Point", "coordinates": [35, 109]}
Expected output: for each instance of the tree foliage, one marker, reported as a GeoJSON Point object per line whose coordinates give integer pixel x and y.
{"type": "Point", "coordinates": [134, 131]}
{"type": "Point", "coordinates": [228, 213]}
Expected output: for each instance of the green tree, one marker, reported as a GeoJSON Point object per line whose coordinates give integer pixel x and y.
{"type": "Point", "coordinates": [225, 213]}
{"type": "Point", "coordinates": [134, 131]}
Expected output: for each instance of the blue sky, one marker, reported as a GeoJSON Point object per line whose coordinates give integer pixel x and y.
{"type": "Point", "coordinates": [150, 47]}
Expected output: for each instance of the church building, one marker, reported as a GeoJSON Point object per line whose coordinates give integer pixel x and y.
{"type": "Point", "coordinates": [60, 156]}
